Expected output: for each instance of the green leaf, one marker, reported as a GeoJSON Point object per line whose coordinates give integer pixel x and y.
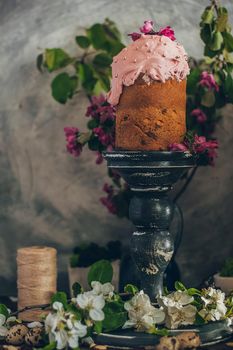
{"type": "Point", "coordinates": [192, 81]}
{"type": "Point", "coordinates": [221, 23]}
{"type": "Point", "coordinates": [216, 41]}
{"type": "Point", "coordinates": [50, 346]}
{"type": "Point", "coordinates": [84, 137]}
{"type": "Point", "coordinates": [97, 36]}
{"type": "Point", "coordinates": [83, 41]}
{"type": "Point", "coordinates": [206, 34]}
{"type": "Point", "coordinates": [104, 37]}
{"type": "Point", "coordinates": [93, 123]}
{"type": "Point", "coordinates": [76, 289]}
{"type": "Point", "coordinates": [63, 87]}
{"type": "Point", "coordinates": [180, 286]}
{"type": "Point", "coordinates": [56, 58]}
{"type": "Point", "coordinates": [98, 326]}
{"type": "Point", "coordinates": [193, 291]}
{"type": "Point", "coordinates": [98, 89]}
{"type": "Point", "coordinates": [210, 53]}
{"type": "Point", "coordinates": [74, 310]}
{"type": "Point", "coordinates": [74, 260]}
{"type": "Point", "coordinates": [228, 57]}
{"type": "Point", "coordinates": [208, 15]}
{"type": "Point", "coordinates": [105, 82]}
{"type": "Point", "coordinates": [94, 143]}
{"type": "Point", "coordinates": [4, 311]}
{"type": "Point", "coordinates": [199, 320]}
{"type": "Point", "coordinates": [86, 76]}
{"type": "Point", "coordinates": [228, 87]}
{"type": "Point", "coordinates": [61, 297]}
{"type": "Point", "coordinates": [112, 29]}
{"type": "Point", "coordinates": [228, 41]}
{"type": "Point", "coordinates": [163, 332]}
{"type": "Point", "coordinates": [39, 62]}
{"type": "Point", "coordinates": [208, 99]}
{"type": "Point", "coordinates": [115, 316]}
{"type": "Point", "coordinates": [131, 289]}
{"type": "Point", "coordinates": [101, 271]}
{"type": "Point", "coordinates": [102, 60]}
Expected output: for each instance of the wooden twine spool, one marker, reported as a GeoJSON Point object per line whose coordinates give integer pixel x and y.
{"type": "Point", "coordinates": [37, 279]}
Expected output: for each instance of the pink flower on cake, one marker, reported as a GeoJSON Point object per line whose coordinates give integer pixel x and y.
{"type": "Point", "coordinates": [208, 81]}
{"type": "Point", "coordinates": [199, 115]}
{"type": "Point", "coordinates": [134, 36]}
{"type": "Point", "coordinates": [72, 144]}
{"type": "Point", "coordinates": [147, 27]}
{"type": "Point", "coordinates": [167, 31]}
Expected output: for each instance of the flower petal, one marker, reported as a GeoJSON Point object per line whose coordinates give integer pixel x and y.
{"type": "Point", "coordinates": [3, 331]}
{"type": "Point", "coordinates": [96, 314]}
{"type": "Point", "coordinates": [58, 306]}
{"type": "Point", "coordinates": [82, 300]}
{"type": "Point", "coordinates": [98, 302]}
{"type": "Point", "coordinates": [81, 329]}
{"type": "Point", "coordinates": [2, 319]}
{"type": "Point", "coordinates": [61, 338]}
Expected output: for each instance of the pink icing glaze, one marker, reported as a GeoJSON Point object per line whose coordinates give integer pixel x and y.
{"type": "Point", "coordinates": [157, 57]}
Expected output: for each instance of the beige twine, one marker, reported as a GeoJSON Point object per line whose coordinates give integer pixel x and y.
{"type": "Point", "coordinates": [37, 279]}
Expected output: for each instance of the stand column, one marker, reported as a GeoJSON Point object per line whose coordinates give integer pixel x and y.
{"type": "Point", "coordinates": [152, 246]}
{"type": "Point", "coordinates": [151, 175]}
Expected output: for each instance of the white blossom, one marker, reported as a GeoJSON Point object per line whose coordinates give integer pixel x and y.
{"type": "Point", "coordinates": [63, 328]}
{"type": "Point", "coordinates": [214, 308]}
{"type": "Point", "coordinates": [178, 298]}
{"type": "Point", "coordinates": [142, 314]}
{"type": "Point", "coordinates": [178, 309]}
{"type": "Point", "coordinates": [3, 329]}
{"type": "Point", "coordinates": [93, 304]}
{"type": "Point", "coordinates": [34, 324]}
{"type": "Point", "coordinates": [106, 289]}
{"type": "Point", "coordinates": [5, 323]}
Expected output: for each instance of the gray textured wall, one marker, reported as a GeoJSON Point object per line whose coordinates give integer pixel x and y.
{"type": "Point", "coordinates": [47, 197]}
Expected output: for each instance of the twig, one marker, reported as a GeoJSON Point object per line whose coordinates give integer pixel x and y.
{"type": "Point", "coordinates": [187, 182]}
{"type": "Point", "coordinates": [33, 307]}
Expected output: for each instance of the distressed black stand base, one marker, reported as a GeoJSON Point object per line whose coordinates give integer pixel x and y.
{"type": "Point", "coordinates": [210, 334]}
{"type": "Point", "coordinates": [150, 175]}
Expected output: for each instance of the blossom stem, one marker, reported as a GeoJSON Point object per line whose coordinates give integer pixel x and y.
{"type": "Point", "coordinates": [187, 182]}
{"type": "Point", "coordinates": [33, 307]}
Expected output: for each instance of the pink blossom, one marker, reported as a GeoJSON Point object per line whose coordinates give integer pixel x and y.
{"type": "Point", "coordinates": [201, 145]}
{"type": "Point", "coordinates": [178, 147]}
{"type": "Point", "coordinates": [100, 109]}
{"type": "Point", "coordinates": [108, 203]}
{"type": "Point", "coordinates": [99, 159]}
{"type": "Point", "coordinates": [134, 36]}
{"type": "Point", "coordinates": [72, 144]}
{"type": "Point", "coordinates": [147, 27]}
{"type": "Point", "coordinates": [103, 137]}
{"type": "Point", "coordinates": [108, 188]}
{"type": "Point", "coordinates": [167, 31]}
{"type": "Point", "coordinates": [208, 81]}
{"type": "Point", "coordinates": [199, 115]}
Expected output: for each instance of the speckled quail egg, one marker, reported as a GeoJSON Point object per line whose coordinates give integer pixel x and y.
{"type": "Point", "coordinates": [16, 334]}
{"type": "Point", "coordinates": [33, 336]}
